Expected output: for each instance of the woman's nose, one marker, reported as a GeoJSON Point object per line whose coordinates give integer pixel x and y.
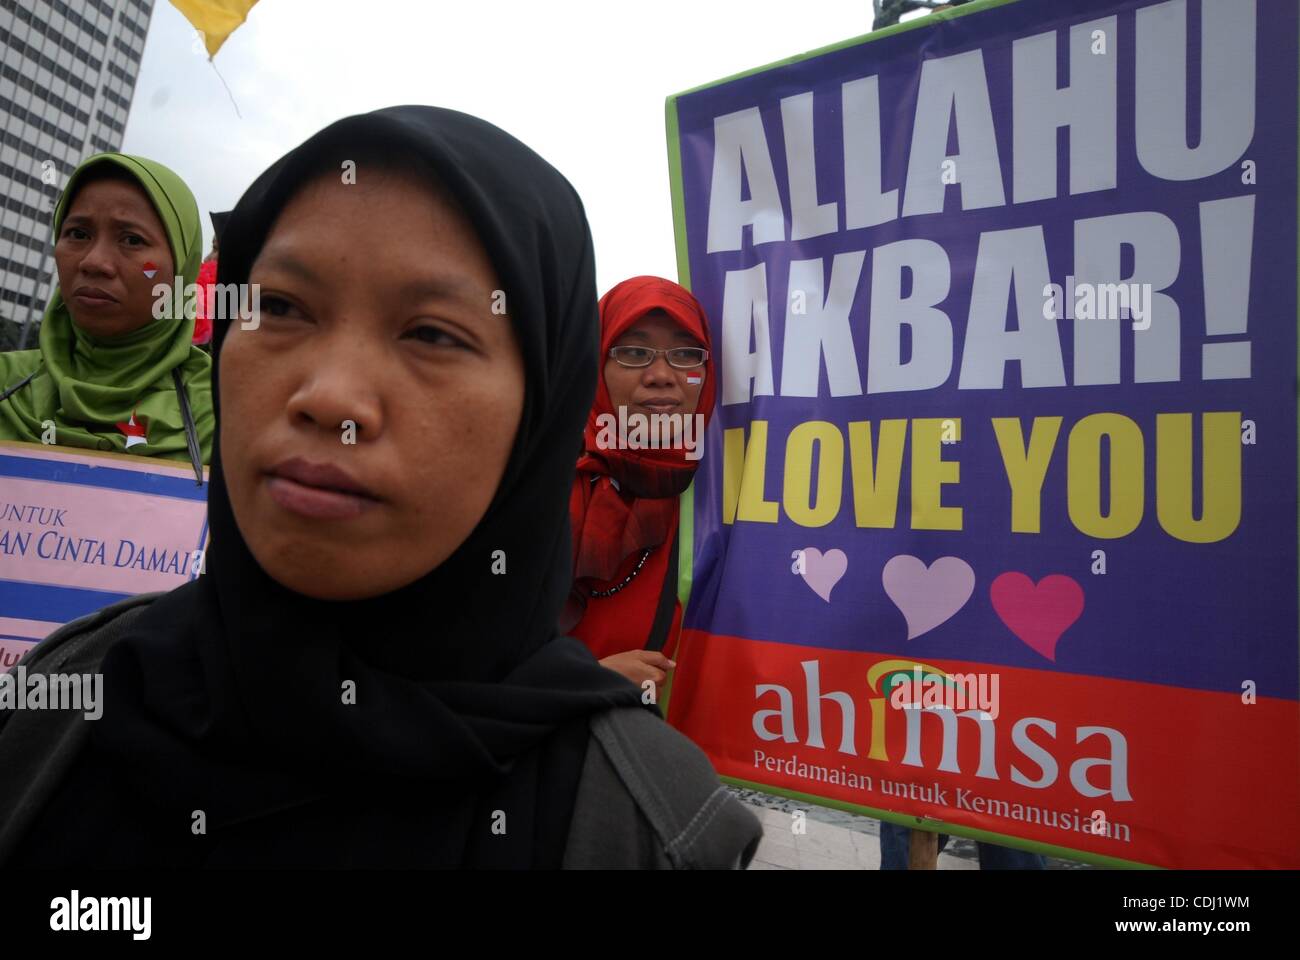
{"type": "Point", "coordinates": [337, 395]}
{"type": "Point", "coordinates": [99, 259]}
{"type": "Point", "coordinates": [660, 371]}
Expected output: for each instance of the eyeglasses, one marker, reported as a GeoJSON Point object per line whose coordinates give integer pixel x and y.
{"type": "Point", "coordinates": [681, 357]}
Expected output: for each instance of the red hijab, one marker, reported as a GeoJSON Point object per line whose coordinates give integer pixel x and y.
{"type": "Point", "coordinates": [611, 523]}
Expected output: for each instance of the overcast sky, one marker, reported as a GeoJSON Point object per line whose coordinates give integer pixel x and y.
{"type": "Point", "coordinates": [583, 83]}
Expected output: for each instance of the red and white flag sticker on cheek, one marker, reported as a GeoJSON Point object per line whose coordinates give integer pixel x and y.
{"type": "Point", "coordinates": [150, 268]}
{"type": "Point", "coordinates": [694, 379]}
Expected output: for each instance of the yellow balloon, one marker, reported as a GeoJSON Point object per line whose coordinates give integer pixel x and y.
{"type": "Point", "coordinates": [215, 19]}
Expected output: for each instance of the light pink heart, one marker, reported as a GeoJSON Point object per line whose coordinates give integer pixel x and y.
{"type": "Point", "coordinates": [822, 571]}
{"type": "Point", "coordinates": [927, 596]}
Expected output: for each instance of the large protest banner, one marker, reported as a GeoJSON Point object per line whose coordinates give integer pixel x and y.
{"type": "Point", "coordinates": [997, 523]}
{"type": "Point", "coordinates": [80, 530]}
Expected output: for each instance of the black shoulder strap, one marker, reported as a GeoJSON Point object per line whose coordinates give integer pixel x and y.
{"type": "Point", "coordinates": [19, 385]}
{"type": "Point", "coordinates": [191, 432]}
{"type": "Point", "coordinates": [694, 821]}
{"type": "Point", "coordinates": [59, 639]}
{"type": "Point", "coordinates": [667, 601]}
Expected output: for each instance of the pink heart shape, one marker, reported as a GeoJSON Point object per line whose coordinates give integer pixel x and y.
{"type": "Point", "coordinates": [927, 597]}
{"type": "Point", "coordinates": [1037, 615]}
{"type": "Point", "coordinates": [822, 571]}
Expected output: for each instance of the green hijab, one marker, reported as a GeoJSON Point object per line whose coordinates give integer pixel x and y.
{"type": "Point", "coordinates": [87, 385]}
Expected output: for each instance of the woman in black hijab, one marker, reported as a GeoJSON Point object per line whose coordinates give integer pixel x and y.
{"type": "Point", "coordinates": [367, 675]}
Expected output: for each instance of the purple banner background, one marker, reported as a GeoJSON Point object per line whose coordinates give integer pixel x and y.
{"type": "Point", "coordinates": [1198, 615]}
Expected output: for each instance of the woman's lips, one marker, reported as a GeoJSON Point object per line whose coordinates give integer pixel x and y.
{"type": "Point", "coordinates": [318, 491]}
{"type": "Point", "coordinates": [659, 406]}
{"type": "Point", "coordinates": [316, 502]}
{"type": "Point", "coordinates": [93, 298]}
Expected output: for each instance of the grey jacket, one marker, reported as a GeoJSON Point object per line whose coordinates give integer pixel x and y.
{"type": "Point", "coordinates": [647, 798]}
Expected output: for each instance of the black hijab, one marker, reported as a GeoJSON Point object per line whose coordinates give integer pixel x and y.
{"type": "Point", "coordinates": [219, 221]}
{"type": "Point", "coordinates": [468, 730]}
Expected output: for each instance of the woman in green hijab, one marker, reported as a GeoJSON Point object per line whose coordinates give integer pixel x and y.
{"type": "Point", "coordinates": [116, 369]}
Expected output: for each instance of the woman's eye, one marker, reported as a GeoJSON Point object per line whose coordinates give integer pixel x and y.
{"type": "Point", "coordinates": [276, 306]}
{"type": "Point", "coordinates": [132, 240]}
{"type": "Point", "coordinates": [74, 233]}
{"type": "Point", "coordinates": [435, 336]}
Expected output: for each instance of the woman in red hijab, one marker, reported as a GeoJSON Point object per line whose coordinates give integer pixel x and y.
{"type": "Point", "coordinates": [656, 353]}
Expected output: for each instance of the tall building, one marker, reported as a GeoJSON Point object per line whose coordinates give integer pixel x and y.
{"type": "Point", "coordinates": [67, 75]}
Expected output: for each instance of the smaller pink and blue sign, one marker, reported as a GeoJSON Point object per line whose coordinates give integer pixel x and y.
{"type": "Point", "coordinates": [79, 531]}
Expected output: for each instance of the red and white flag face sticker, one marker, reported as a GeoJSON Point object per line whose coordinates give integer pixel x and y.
{"type": "Point", "coordinates": [694, 379]}
{"type": "Point", "coordinates": [150, 268]}
{"type": "Point", "coordinates": [135, 431]}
